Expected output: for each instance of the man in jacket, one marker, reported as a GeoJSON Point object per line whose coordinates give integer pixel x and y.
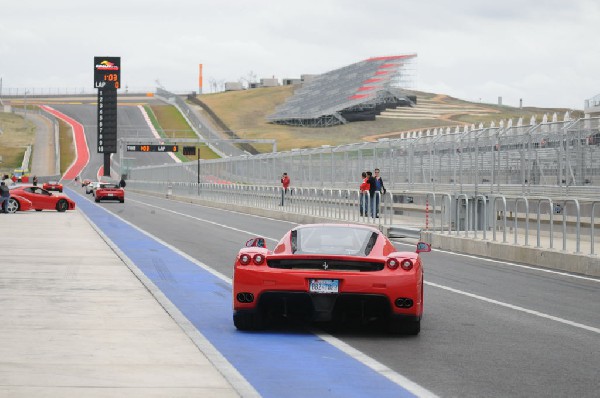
{"type": "Point", "coordinates": [4, 196]}
{"type": "Point", "coordinates": [372, 189]}
{"type": "Point", "coordinates": [376, 197]}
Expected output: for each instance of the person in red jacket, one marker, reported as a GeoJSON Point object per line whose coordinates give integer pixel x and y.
{"type": "Point", "coordinates": [365, 187]}
{"type": "Point", "coordinates": [285, 183]}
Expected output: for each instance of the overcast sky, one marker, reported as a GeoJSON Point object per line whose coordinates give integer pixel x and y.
{"type": "Point", "coordinates": [546, 52]}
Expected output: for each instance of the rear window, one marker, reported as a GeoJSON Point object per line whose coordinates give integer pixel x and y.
{"type": "Point", "coordinates": [333, 240]}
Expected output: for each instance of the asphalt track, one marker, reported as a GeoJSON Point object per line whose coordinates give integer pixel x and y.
{"type": "Point", "coordinates": [490, 328]}
{"type": "Point", "coordinates": [131, 124]}
{"type": "Point", "coordinates": [277, 363]}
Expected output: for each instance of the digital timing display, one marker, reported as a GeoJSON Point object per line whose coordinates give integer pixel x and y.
{"type": "Point", "coordinates": [152, 148]}
{"type": "Point", "coordinates": [107, 79]}
{"type": "Point", "coordinates": [107, 72]}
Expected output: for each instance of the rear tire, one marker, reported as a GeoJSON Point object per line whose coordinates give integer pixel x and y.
{"type": "Point", "coordinates": [62, 205]}
{"type": "Point", "coordinates": [12, 206]}
{"type": "Point", "coordinates": [96, 200]}
{"type": "Point", "coordinates": [248, 320]}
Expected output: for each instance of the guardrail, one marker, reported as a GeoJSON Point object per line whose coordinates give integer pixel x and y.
{"type": "Point", "coordinates": [536, 160]}
{"type": "Point", "coordinates": [518, 220]}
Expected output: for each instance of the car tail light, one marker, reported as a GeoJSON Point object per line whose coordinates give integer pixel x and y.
{"type": "Point", "coordinates": [245, 259]}
{"type": "Point", "coordinates": [392, 263]}
{"type": "Point", "coordinates": [259, 259]}
{"type": "Point", "coordinates": [406, 265]}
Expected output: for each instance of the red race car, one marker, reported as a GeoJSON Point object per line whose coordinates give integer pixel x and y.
{"type": "Point", "coordinates": [42, 199]}
{"type": "Point", "coordinates": [109, 191]}
{"type": "Point", "coordinates": [18, 203]}
{"type": "Point", "coordinates": [53, 186]}
{"type": "Point", "coordinates": [329, 272]}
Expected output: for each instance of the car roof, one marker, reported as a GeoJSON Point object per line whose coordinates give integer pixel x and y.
{"type": "Point", "coordinates": [339, 225]}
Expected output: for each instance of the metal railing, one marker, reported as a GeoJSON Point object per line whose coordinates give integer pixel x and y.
{"type": "Point", "coordinates": [518, 219]}
{"type": "Point", "coordinates": [547, 159]}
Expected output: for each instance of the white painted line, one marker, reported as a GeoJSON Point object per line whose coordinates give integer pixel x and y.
{"type": "Point", "coordinates": [215, 208]}
{"type": "Point", "coordinates": [202, 220]}
{"type": "Point", "coordinates": [376, 366]}
{"type": "Point", "coordinates": [548, 271]}
{"type": "Point", "coordinates": [516, 308]}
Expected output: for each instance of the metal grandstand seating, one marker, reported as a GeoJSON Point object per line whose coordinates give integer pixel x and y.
{"type": "Point", "coordinates": [354, 92]}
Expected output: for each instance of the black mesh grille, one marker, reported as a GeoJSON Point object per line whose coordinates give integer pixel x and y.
{"type": "Point", "coordinates": [326, 265]}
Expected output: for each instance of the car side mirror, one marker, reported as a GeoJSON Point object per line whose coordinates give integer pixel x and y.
{"type": "Point", "coordinates": [423, 247]}
{"type": "Point", "coordinates": [256, 242]}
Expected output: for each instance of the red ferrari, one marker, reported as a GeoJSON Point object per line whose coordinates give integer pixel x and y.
{"type": "Point", "coordinates": [329, 272]}
{"type": "Point", "coordinates": [53, 186]}
{"type": "Point", "coordinates": [106, 191]}
{"type": "Point", "coordinates": [42, 199]}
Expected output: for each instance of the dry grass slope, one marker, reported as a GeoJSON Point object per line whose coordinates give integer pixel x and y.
{"type": "Point", "coordinates": [17, 133]}
{"type": "Point", "coordinates": [245, 111]}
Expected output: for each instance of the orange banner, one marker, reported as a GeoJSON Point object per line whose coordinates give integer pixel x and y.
{"type": "Point", "coordinates": [200, 77]}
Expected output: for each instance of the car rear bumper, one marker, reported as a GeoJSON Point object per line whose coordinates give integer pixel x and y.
{"type": "Point", "coordinates": [376, 293]}
{"type": "Point", "coordinates": [119, 198]}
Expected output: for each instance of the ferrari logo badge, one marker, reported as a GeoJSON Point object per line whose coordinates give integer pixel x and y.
{"type": "Point", "coordinates": [325, 265]}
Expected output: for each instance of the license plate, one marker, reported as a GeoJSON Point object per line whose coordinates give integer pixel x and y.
{"type": "Point", "coordinates": [324, 285]}
{"type": "Point", "coordinates": [110, 194]}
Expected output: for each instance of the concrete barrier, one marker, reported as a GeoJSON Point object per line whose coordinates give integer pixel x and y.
{"type": "Point", "coordinates": [547, 258]}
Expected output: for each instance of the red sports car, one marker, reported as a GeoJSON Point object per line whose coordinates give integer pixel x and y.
{"type": "Point", "coordinates": [42, 199]}
{"type": "Point", "coordinates": [109, 191]}
{"type": "Point", "coordinates": [53, 186]}
{"type": "Point", "coordinates": [329, 272]}
{"type": "Point", "coordinates": [18, 203]}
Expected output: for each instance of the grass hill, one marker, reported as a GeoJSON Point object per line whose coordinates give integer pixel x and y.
{"type": "Point", "coordinates": [244, 112]}
{"type": "Point", "coordinates": [16, 134]}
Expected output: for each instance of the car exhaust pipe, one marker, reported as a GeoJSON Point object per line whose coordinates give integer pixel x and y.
{"type": "Point", "coordinates": [403, 302]}
{"type": "Point", "coordinates": [245, 297]}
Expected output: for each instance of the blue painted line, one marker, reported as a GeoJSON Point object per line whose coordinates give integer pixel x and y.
{"type": "Point", "coordinates": [275, 364]}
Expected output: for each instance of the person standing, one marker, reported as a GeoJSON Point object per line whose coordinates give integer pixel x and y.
{"type": "Point", "coordinates": [4, 197]}
{"type": "Point", "coordinates": [122, 183]}
{"type": "Point", "coordinates": [35, 181]}
{"type": "Point", "coordinates": [7, 180]}
{"type": "Point", "coordinates": [285, 184]}
{"type": "Point", "coordinates": [371, 204]}
{"type": "Point", "coordinates": [364, 189]}
{"type": "Point", "coordinates": [379, 187]}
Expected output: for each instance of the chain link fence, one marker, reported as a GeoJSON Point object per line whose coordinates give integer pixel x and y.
{"type": "Point", "coordinates": [557, 158]}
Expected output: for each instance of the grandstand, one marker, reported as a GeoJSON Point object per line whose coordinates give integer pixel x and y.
{"type": "Point", "coordinates": [355, 92]}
